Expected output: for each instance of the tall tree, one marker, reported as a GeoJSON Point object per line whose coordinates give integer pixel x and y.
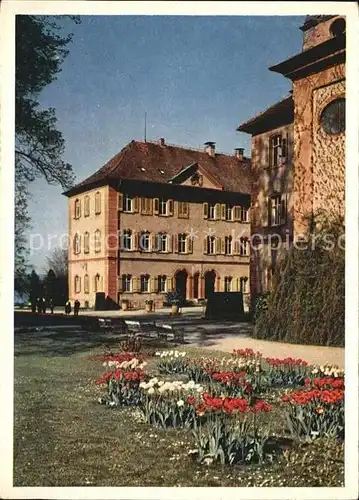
{"type": "Point", "coordinates": [39, 145]}
{"type": "Point", "coordinates": [57, 261]}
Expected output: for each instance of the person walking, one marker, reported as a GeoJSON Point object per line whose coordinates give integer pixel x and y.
{"type": "Point", "coordinates": [68, 307]}
{"type": "Point", "coordinates": [76, 307]}
{"type": "Point", "coordinates": [39, 305]}
{"type": "Point", "coordinates": [51, 305]}
{"type": "Point", "coordinates": [44, 305]}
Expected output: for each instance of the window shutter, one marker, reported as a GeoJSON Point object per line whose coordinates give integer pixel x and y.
{"type": "Point", "coordinates": [136, 204]}
{"type": "Point", "coordinates": [153, 242]}
{"type": "Point", "coordinates": [175, 243]}
{"type": "Point", "coordinates": [149, 206]}
{"type": "Point", "coordinates": [186, 209]}
{"type": "Point", "coordinates": [236, 247]}
{"type": "Point", "coordinates": [205, 249]}
{"type": "Point", "coordinates": [223, 211]}
{"type": "Point", "coordinates": [217, 211]}
{"type": "Point", "coordinates": [179, 208]}
{"type": "Point", "coordinates": [152, 285]}
{"type": "Point", "coordinates": [218, 245]}
{"type": "Point", "coordinates": [268, 222]}
{"type": "Point", "coordinates": [135, 240]}
{"type": "Point", "coordinates": [267, 148]}
{"type": "Point", "coordinates": [237, 213]}
{"type": "Point", "coordinates": [170, 207]}
{"type": "Point", "coordinates": [135, 284]}
{"type": "Point", "coordinates": [223, 246]}
{"type": "Point", "coordinates": [284, 148]}
{"type": "Point", "coordinates": [169, 284]}
{"type": "Point", "coordinates": [169, 243]}
{"type": "Point", "coordinates": [156, 284]}
{"type": "Point", "coordinates": [143, 205]}
{"type": "Point", "coordinates": [205, 210]}
{"type": "Point", "coordinates": [189, 244]}
{"type": "Point", "coordinates": [283, 209]}
{"type": "Point", "coordinates": [120, 202]}
{"type": "Point", "coordinates": [156, 206]}
{"type": "Point", "coordinates": [120, 285]}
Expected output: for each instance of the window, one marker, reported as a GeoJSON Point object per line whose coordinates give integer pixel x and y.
{"type": "Point", "coordinates": [145, 283]}
{"type": "Point", "coordinates": [86, 242]}
{"type": "Point", "coordinates": [126, 283]}
{"type": "Point", "coordinates": [183, 209]}
{"type": "Point", "coordinates": [243, 284]}
{"type": "Point", "coordinates": [127, 203]}
{"type": "Point", "coordinates": [162, 242]}
{"type": "Point", "coordinates": [127, 239]}
{"type": "Point", "coordinates": [97, 203]}
{"type": "Point", "coordinates": [97, 240]}
{"type": "Point", "coordinates": [182, 243]}
{"type": "Point", "coordinates": [87, 206]}
{"type": "Point", "coordinates": [211, 245]}
{"type": "Point", "coordinates": [77, 244]}
{"type": "Point", "coordinates": [228, 284]}
{"type": "Point", "coordinates": [211, 211]}
{"type": "Point", "coordinates": [275, 150]}
{"type": "Point", "coordinates": [145, 241]}
{"type": "Point", "coordinates": [97, 283]}
{"type": "Point", "coordinates": [228, 245]}
{"type": "Point", "coordinates": [337, 27]}
{"type": "Point", "coordinates": [86, 284]}
{"type": "Point", "coordinates": [162, 284]}
{"type": "Point", "coordinates": [228, 212]}
{"type": "Point", "coordinates": [77, 284]}
{"type": "Point", "coordinates": [277, 210]}
{"type": "Point", "coordinates": [162, 207]}
{"type": "Point", "coordinates": [243, 247]}
{"type": "Point", "coordinates": [146, 206]}
{"type": "Point", "coordinates": [77, 209]}
{"type": "Point", "coordinates": [244, 214]}
{"type": "Point", "coordinates": [332, 118]}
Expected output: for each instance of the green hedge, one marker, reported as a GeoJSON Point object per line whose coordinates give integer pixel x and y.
{"type": "Point", "coordinates": [307, 302]}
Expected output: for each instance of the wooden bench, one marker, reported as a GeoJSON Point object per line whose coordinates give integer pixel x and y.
{"type": "Point", "coordinates": [140, 329]}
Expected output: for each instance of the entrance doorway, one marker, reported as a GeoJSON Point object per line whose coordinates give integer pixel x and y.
{"type": "Point", "coordinates": [209, 280]}
{"type": "Point", "coordinates": [181, 283]}
{"type": "Point", "coordinates": [196, 285]}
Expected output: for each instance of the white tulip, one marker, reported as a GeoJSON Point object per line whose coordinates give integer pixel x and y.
{"type": "Point", "coordinates": [180, 402]}
{"type": "Point", "coordinates": [151, 390]}
{"type": "Point", "coordinates": [158, 354]}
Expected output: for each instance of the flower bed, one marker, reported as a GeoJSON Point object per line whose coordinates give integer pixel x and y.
{"type": "Point", "coordinates": [224, 402]}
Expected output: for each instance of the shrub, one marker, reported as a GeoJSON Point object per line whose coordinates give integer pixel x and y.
{"type": "Point", "coordinates": [306, 304]}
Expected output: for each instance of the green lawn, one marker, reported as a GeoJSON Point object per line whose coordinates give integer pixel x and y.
{"type": "Point", "coordinates": [64, 437]}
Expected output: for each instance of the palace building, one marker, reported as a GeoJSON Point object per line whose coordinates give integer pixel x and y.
{"type": "Point", "coordinates": [158, 218]}
{"type": "Point", "coordinates": [298, 147]}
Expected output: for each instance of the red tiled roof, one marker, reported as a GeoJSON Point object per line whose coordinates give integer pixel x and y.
{"type": "Point", "coordinates": [144, 161]}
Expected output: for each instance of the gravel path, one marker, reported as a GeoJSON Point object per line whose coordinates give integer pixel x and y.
{"type": "Point", "coordinates": [312, 354]}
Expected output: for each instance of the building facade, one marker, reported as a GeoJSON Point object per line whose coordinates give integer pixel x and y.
{"type": "Point", "coordinates": [298, 146]}
{"type": "Point", "coordinates": [158, 218]}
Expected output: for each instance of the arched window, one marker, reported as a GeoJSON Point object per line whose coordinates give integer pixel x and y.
{"type": "Point", "coordinates": [126, 283]}
{"type": "Point", "coordinates": [87, 206]}
{"type": "Point", "coordinates": [77, 208]}
{"type": "Point", "coordinates": [86, 284]}
{"type": "Point", "coordinates": [97, 283]}
{"type": "Point", "coordinates": [145, 241]}
{"type": "Point", "coordinates": [145, 283]}
{"type": "Point", "coordinates": [243, 284]}
{"type": "Point", "coordinates": [97, 203]}
{"type": "Point", "coordinates": [77, 284]}
{"type": "Point", "coordinates": [162, 283]}
{"type": "Point", "coordinates": [86, 242]}
{"type": "Point", "coordinates": [97, 240]}
{"type": "Point", "coordinates": [77, 243]}
{"type": "Point", "coordinates": [228, 283]}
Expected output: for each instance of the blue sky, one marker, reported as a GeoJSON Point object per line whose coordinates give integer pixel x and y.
{"type": "Point", "coordinates": [196, 77]}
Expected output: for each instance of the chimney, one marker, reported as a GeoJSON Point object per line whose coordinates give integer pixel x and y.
{"type": "Point", "coordinates": [239, 153]}
{"type": "Point", "coordinates": [162, 141]}
{"type": "Point", "coordinates": [210, 148]}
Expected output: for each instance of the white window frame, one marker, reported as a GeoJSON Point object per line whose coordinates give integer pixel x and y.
{"type": "Point", "coordinates": [275, 150]}
{"type": "Point", "coordinates": [145, 237]}
{"type": "Point", "coordinates": [97, 241]}
{"type": "Point", "coordinates": [127, 237]}
{"type": "Point", "coordinates": [228, 245]}
{"type": "Point", "coordinates": [228, 281]}
{"type": "Point", "coordinates": [97, 202]}
{"type": "Point", "coordinates": [128, 203]}
{"type": "Point", "coordinates": [243, 247]}
{"type": "Point", "coordinates": [211, 211]}
{"type": "Point", "coordinates": [229, 212]}
{"type": "Point", "coordinates": [162, 206]}
{"type": "Point", "coordinates": [211, 245]}
{"type": "Point", "coordinates": [145, 283]}
{"type": "Point", "coordinates": [127, 283]}
{"type": "Point", "coordinates": [163, 242]}
{"type": "Point", "coordinates": [244, 214]}
{"type": "Point", "coordinates": [162, 283]}
{"type": "Point", "coordinates": [77, 244]}
{"type": "Point", "coordinates": [276, 209]}
{"type": "Point", "coordinates": [182, 243]}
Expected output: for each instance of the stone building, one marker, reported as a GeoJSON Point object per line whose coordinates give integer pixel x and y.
{"type": "Point", "coordinates": [158, 218]}
{"type": "Point", "coordinates": [298, 146]}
